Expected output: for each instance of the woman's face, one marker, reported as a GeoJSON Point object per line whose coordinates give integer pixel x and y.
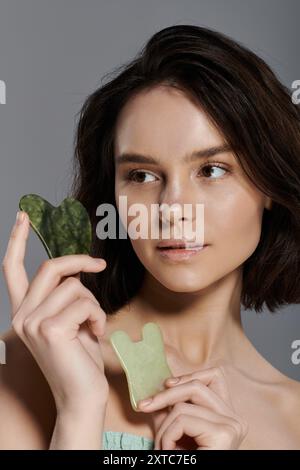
{"type": "Point", "coordinates": [164, 124]}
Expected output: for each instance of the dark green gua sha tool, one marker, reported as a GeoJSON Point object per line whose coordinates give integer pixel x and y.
{"type": "Point", "coordinates": [63, 230]}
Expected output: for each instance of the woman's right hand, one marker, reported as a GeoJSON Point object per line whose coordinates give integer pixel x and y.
{"type": "Point", "coordinates": [59, 320]}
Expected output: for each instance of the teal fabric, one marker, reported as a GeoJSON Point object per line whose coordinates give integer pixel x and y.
{"type": "Point", "coordinates": [117, 440]}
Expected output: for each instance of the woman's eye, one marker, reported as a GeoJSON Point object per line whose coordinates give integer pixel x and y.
{"type": "Point", "coordinates": [216, 171]}
{"type": "Point", "coordinates": [208, 171]}
{"type": "Point", "coordinates": [138, 176]}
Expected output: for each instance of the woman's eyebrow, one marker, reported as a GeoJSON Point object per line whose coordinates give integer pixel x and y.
{"type": "Point", "coordinates": [132, 157]}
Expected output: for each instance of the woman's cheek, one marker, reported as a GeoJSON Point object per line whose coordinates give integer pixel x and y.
{"type": "Point", "coordinates": [236, 229]}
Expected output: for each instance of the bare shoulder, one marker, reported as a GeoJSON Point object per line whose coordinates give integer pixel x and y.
{"type": "Point", "coordinates": [289, 399]}
{"type": "Point", "coordinates": [284, 400]}
{"type": "Point", "coordinates": [272, 406]}
{"type": "Point", "coordinates": [27, 407]}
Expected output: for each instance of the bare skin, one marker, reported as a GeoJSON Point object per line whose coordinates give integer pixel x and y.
{"type": "Point", "coordinates": [267, 399]}
{"type": "Point", "coordinates": [196, 303]}
{"type": "Point", "coordinates": [263, 396]}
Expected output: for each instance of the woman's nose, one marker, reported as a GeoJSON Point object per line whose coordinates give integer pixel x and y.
{"type": "Point", "coordinates": [182, 208]}
{"type": "Point", "coordinates": [172, 212]}
{"type": "Point", "coordinates": [178, 201]}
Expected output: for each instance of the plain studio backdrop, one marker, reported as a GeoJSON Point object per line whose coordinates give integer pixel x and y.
{"type": "Point", "coordinates": [54, 53]}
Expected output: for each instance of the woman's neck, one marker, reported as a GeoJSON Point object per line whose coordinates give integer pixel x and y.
{"type": "Point", "coordinates": [200, 328]}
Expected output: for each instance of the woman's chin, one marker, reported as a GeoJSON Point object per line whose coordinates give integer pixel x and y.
{"type": "Point", "coordinates": [181, 284]}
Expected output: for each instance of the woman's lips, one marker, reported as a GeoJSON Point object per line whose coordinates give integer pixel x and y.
{"type": "Point", "coordinates": [178, 254]}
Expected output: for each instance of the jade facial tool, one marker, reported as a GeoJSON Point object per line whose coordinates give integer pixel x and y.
{"type": "Point", "coordinates": [63, 230]}
{"type": "Point", "coordinates": [144, 362]}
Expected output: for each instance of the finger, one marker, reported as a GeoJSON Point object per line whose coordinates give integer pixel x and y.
{"type": "Point", "coordinates": [206, 434]}
{"type": "Point", "coordinates": [200, 430]}
{"type": "Point", "coordinates": [188, 409]}
{"type": "Point", "coordinates": [193, 391]}
{"type": "Point", "coordinates": [66, 324]}
{"type": "Point", "coordinates": [213, 377]}
{"type": "Point", "coordinates": [67, 292]}
{"type": "Point", "coordinates": [51, 272]}
{"type": "Point", "coordinates": [13, 262]}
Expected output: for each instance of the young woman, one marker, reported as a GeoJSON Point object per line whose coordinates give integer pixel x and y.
{"type": "Point", "coordinates": [194, 118]}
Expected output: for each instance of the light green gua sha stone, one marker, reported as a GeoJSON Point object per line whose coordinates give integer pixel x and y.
{"type": "Point", "coordinates": [63, 230]}
{"type": "Point", "coordinates": [144, 362]}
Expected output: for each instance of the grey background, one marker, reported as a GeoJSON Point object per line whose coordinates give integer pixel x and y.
{"type": "Point", "coordinates": [54, 53]}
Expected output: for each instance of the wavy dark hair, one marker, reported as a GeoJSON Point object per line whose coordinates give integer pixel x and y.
{"type": "Point", "coordinates": [252, 110]}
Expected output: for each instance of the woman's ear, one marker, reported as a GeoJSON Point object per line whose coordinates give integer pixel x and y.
{"type": "Point", "coordinates": [268, 203]}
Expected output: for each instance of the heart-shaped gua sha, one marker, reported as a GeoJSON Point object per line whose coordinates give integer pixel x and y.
{"type": "Point", "coordinates": [63, 230]}
{"type": "Point", "coordinates": [144, 362]}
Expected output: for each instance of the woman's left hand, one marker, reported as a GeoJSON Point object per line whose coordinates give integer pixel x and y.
{"type": "Point", "coordinates": [202, 417]}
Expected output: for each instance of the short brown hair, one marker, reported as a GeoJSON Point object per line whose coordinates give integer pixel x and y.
{"type": "Point", "coordinates": [254, 112]}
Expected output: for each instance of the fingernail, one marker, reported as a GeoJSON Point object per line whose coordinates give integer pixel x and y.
{"type": "Point", "coordinates": [20, 217]}
{"type": "Point", "coordinates": [145, 402]}
{"type": "Point", "coordinates": [173, 380]}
